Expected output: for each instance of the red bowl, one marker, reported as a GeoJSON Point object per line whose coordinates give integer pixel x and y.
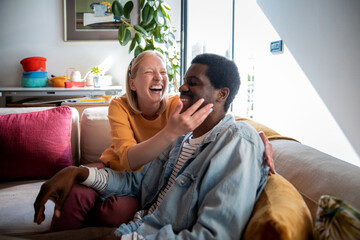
{"type": "Point", "coordinates": [74, 84]}
{"type": "Point", "coordinates": [34, 64]}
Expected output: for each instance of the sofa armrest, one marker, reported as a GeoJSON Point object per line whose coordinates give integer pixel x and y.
{"type": "Point", "coordinates": [315, 173]}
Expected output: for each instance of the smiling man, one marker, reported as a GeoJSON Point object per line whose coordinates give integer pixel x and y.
{"type": "Point", "coordinates": [205, 184]}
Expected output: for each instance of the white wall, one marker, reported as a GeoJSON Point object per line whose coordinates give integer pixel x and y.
{"type": "Point", "coordinates": [35, 28]}
{"type": "Point", "coordinates": [310, 91]}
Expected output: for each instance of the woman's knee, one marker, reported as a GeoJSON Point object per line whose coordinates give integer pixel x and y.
{"type": "Point", "coordinates": [76, 208]}
{"type": "Point", "coordinates": [115, 210]}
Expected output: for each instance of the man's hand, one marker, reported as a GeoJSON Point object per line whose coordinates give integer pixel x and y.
{"type": "Point", "coordinates": [57, 189]}
{"type": "Point", "coordinates": [269, 152]}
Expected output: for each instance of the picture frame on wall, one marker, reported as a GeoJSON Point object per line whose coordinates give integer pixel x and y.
{"type": "Point", "coordinates": [85, 20]}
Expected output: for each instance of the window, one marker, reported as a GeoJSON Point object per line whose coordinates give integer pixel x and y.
{"type": "Point", "coordinates": [207, 27]}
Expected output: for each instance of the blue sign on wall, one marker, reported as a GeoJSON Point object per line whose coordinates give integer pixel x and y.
{"type": "Point", "coordinates": [276, 46]}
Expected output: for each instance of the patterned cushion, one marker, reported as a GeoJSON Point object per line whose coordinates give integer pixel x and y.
{"type": "Point", "coordinates": [336, 220]}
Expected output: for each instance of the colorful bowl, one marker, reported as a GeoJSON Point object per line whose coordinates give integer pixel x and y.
{"type": "Point", "coordinates": [34, 79]}
{"type": "Point", "coordinates": [34, 64]}
{"type": "Point", "coordinates": [58, 81]}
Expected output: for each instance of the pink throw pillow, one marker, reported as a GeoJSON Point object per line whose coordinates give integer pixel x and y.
{"type": "Point", "coordinates": [35, 144]}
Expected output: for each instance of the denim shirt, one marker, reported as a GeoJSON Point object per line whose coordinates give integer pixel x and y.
{"type": "Point", "coordinates": [214, 192]}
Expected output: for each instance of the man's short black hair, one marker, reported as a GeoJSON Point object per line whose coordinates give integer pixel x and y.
{"type": "Point", "coordinates": [222, 72]}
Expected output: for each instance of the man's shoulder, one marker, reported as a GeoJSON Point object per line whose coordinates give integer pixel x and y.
{"type": "Point", "coordinates": [238, 128]}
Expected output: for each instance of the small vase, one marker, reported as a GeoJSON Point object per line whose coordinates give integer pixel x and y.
{"type": "Point", "coordinates": [89, 81]}
{"type": "Point", "coordinates": [96, 81]}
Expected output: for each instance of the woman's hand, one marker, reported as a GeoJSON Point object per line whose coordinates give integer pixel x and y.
{"type": "Point", "coordinates": [269, 152]}
{"type": "Point", "coordinates": [182, 123]}
{"type": "Point", "coordinates": [57, 189]}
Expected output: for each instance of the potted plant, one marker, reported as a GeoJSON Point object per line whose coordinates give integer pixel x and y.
{"type": "Point", "coordinates": [153, 33]}
{"type": "Point", "coordinates": [99, 78]}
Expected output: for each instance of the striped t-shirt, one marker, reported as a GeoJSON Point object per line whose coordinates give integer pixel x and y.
{"type": "Point", "coordinates": [187, 150]}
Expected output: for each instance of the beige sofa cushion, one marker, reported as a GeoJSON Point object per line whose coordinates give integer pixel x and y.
{"type": "Point", "coordinates": [16, 207]}
{"type": "Point", "coordinates": [95, 134]}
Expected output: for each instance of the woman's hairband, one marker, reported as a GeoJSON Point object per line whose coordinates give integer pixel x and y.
{"type": "Point", "coordinates": [131, 64]}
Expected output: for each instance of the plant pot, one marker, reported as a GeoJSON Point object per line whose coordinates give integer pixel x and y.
{"type": "Point", "coordinates": [102, 81]}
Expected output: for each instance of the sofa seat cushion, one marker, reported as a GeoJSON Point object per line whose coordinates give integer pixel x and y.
{"type": "Point", "coordinates": [36, 144]}
{"type": "Point", "coordinates": [16, 207]}
{"type": "Point", "coordinates": [279, 213]}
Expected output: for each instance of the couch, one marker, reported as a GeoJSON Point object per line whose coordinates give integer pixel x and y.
{"type": "Point", "coordinates": [311, 172]}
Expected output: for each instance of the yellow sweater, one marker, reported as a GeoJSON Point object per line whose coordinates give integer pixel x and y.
{"type": "Point", "coordinates": [129, 129]}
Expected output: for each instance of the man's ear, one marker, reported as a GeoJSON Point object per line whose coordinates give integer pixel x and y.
{"type": "Point", "coordinates": [223, 94]}
{"type": "Point", "coordinates": [132, 84]}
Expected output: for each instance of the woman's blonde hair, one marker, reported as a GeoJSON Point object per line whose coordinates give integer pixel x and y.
{"type": "Point", "coordinates": [132, 70]}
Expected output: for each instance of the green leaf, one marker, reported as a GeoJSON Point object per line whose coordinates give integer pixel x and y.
{"type": "Point", "coordinates": [157, 35]}
{"type": "Point", "coordinates": [140, 29]}
{"type": "Point", "coordinates": [151, 3]}
{"type": "Point", "coordinates": [159, 17]}
{"type": "Point", "coordinates": [137, 37]}
{"type": "Point", "coordinates": [142, 2]}
{"type": "Point", "coordinates": [117, 9]}
{"type": "Point", "coordinates": [124, 35]}
{"type": "Point", "coordinates": [140, 40]}
{"type": "Point", "coordinates": [165, 5]}
{"type": "Point", "coordinates": [121, 32]}
{"type": "Point", "coordinates": [127, 37]}
{"type": "Point", "coordinates": [151, 26]}
{"type": "Point", "coordinates": [149, 47]}
{"type": "Point", "coordinates": [164, 12]}
{"type": "Point", "coordinates": [170, 71]}
{"type": "Point", "coordinates": [138, 50]}
{"type": "Point", "coordinates": [147, 14]}
{"type": "Point", "coordinates": [128, 8]}
{"type": "Point", "coordinates": [142, 43]}
{"type": "Point", "coordinates": [172, 35]}
{"type": "Point", "coordinates": [132, 45]}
